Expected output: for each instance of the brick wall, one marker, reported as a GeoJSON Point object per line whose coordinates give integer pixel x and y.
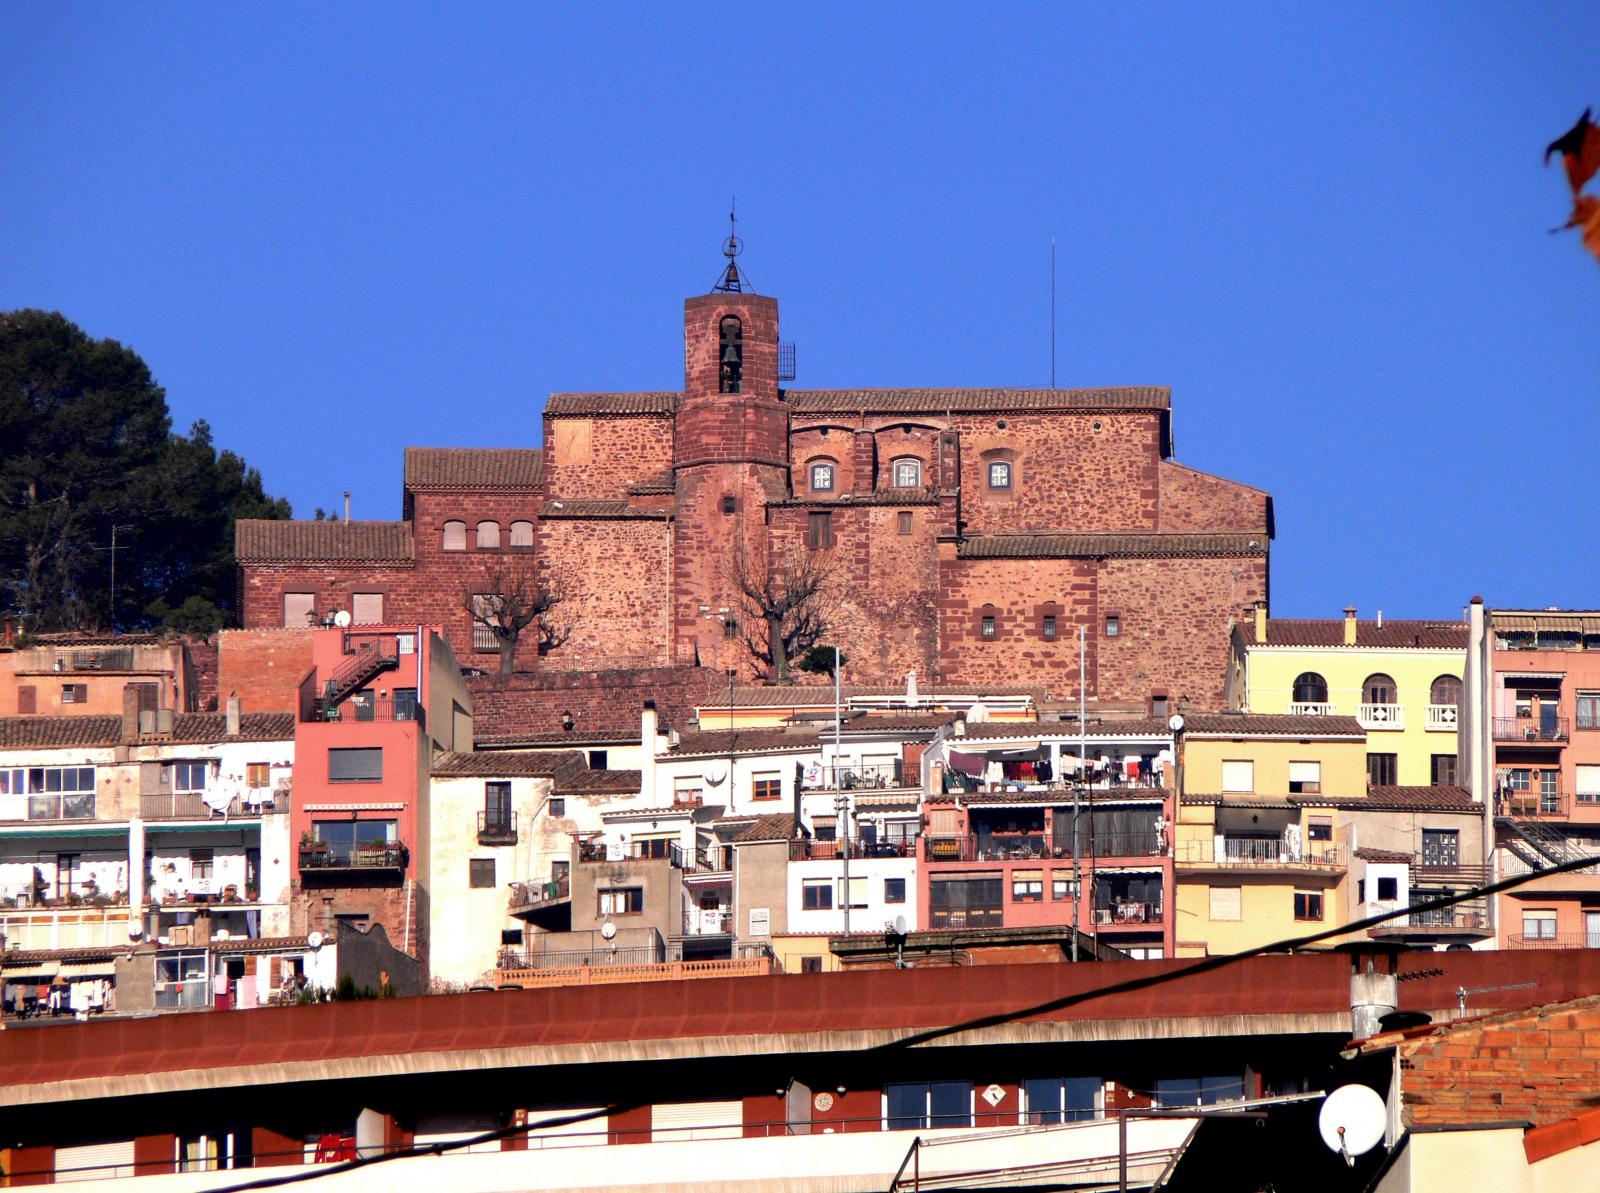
{"type": "Point", "coordinates": [1019, 594]}
{"type": "Point", "coordinates": [601, 701]}
{"type": "Point", "coordinates": [264, 667]}
{"type": "Point", "coordinates": [601, 457]}
{"type": "Point", "coordinates": [202, 695]}
{"type": "Point", "coordinates": [1196, 502]}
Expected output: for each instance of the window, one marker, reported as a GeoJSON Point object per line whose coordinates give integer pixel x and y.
{"type": "Point", "coordinates": [730, 628]}
{"type": "Point", "coordinates": [730, 355]}
{"type": "Point", "coordinates": [521, 536]}
{"type": "Point", "coordinates": [1549, 797]}
{"type": "Point", "coordinates": [1198, 1091]}
{"type": "Point", "coordinates": [54, 792]}
{"type": "Point", "coordinates": [622, 900]}
{"type": "Point", "coordinates": [1382, 770]}
{"type": "Point", "coordinates": [1060, 1100]}
{"type": "Point", "coordinates": [857, 892]}
{"type": "Point", "coordinates": [189, 776]}
{"type": "Point", "coordinates": [480, 872]}
{"type": "Point", "coordinates": [258, 775]}
{"type": "Point", "coordinates": [27, 700]}
{"type": "Point", "coordinates": [66, 874]}
{"type": "Point", "coordinates": [455, 537]}
{"type": "Point", "coordinates": [511, 936]}
{"type": "Point", "coordinates": [686, 791]}
{"type": "Point", "coordinates": [366, 608]}
{"type": "Point", "coordinates": [1378, 689]}
{"type": "Point", "coordinates": [1445, 690]}
{"type": "Point", "coordinates": [907, 473]}
{"type": "Point", "coordinates": [894, 890]}
{"type": "Point", "coordinates": [1160, 706]}
{"type": "Point", "coordinates": [558, 805]}
{"type": "Point", "coordinates": [1027, 886]}
{"type": "Point", "coordinates": [1060, 887]}
{"type": "Point", "coordinates": [959, 902]}
{"type": "Point", "coordinates": [1319, 828]}
{"type": "Point", "coordinates": [405, 704]}
{"type": "Point", "coordinates": [1310, 688]}
{"type": "Point", "coordinates": [598, 759]}
{"type": "Point", "coordinates": [820, 531]}
{"type": "Point", "coordinates": [822, 478]}
{"type": "Point", "coordinates": [1113, 625]}
{"type": "Point", "coordinates": [299, 609]}
{"type": "Point", "coordinates": [1539, 925]}
{"type": "Point", "coordinates": [1048, 627]}
{"type": "Point", "coordinates": [1308, 905]}
{"type": "Point", "coordinates": [816, 896]}
{"type": "Point", "coordinates": [497, 805]}
{"type": "Point", "coordinates": [74, 693]}
{"type": "Point", "coordinates": [920, 1105]}
{"type": "Point", "coordinates": [484, 639]}
{"type": "Point", "coordinates": [730, 504]}
{"type": "Point", "coordinates": [346, 836]}
{"type": "Point", "coordinates": [1226, 903]}
{"type": "Point", "coordinates": [1305, 778]}
{"type": "Point", "coordinates": [201, 863]}
{"type": "Point", "coordinates": [904, 520]}
{"type": "Point", "coordinates": [1588, 710]}
{"type": "Point", "coordinates": [1517, 778]}
{"type": "Point", "coordinates": [987, 627]}
{"type": "Point", "coordinates": [767, 786]}
{"type": "Point", "coordinates": [811, 965]}
{"type": "Point", "coordinates": [363, 764]}
{"type": "Point", "coordinates": [1443, 770]}
{"type": "Point", "coordinates": [1587, 779]}
{"type": "Point", "coordinates": [405, 644]}
{"type": "Point", "coordinates": [999, 474]}
{"type": "Point", "coordinates": [1388, 889]}
{"type": "Point", "coordinates": [1441, 847]}
{"type": "Point", "coordinates": [1239, 775]}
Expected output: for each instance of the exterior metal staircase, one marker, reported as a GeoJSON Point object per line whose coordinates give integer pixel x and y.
{"type": "Point", "coordinates": [1539, 843]}
{"type": "Point", "coordinates": [356, 672]}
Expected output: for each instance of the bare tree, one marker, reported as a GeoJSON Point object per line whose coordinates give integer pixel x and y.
{"type": "Point", "coordinates": [512, 596]}
{"type": "Point", "coordinates": [787, 610]}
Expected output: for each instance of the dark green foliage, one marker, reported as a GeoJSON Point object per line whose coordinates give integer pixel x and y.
{"type": "Point", "coordinates": [819, 660]}
{"type": "Point", "coordinates": [86, 445]}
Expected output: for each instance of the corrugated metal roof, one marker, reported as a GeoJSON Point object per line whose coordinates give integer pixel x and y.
{"type": "Point", "coordinates": [260, 540]}
{"type": "Point", "coordinates": [474, 468]}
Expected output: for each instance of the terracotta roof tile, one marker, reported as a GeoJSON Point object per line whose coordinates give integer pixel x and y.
{"type": "Point", "coordinates": [489, 764]}
{"type": "Point", "coordinates": [259, 540]}
{"type": "Point", "coordinates": [570, 508]}
{"type": "Point", "coordinates": [1393, 634]}
{"type": "Point", "coordinates": [938, 401]}
{"type": "Point", "coordinates": [716, 742]}
{"type": "Point", "coordinates": [809, 695]}
{"type": "Point", "coordinates": [259, 944]}
{"type": "Point", "coordinates": [779, 826]}
{"type": "Point", "coordinates": [50, 732]}
{"type": "Point", "coordinates": [210, 727]}
{"type": "Point", "coordinates": [1439, 797]}
{"type": "Point", "coordinates": [1122, 546]}
{"type": "Point", "coordinates": [1382, 855]}
{"type": "Point", "coordinates": [474, 468]}
{"type": "Point", "coordinates": [653, 486]}
{"type": "Point", "coordinates": [600, 782]}
{"type": "Point", "coordinates": [889, 496]}
{"type": "Point", "coordinates": [1262, 724]}
{"type": "Point", "coordinates": [1001, 730]}
{"type": "Point", "coordinates": [613, 405]}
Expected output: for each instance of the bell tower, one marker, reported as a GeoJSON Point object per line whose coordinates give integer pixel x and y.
{"type": "Point", "coordinates": [730, 458]}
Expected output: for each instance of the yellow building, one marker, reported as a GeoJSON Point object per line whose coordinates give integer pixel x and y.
{"type": "Point", "coordinates": [1279, 835]}
{"type": "Point", "coordinates": [1400, 679]}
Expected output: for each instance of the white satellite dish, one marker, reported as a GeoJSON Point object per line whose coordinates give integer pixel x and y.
{"type": "Point", "coordinates": [608, 930]}
{"type": "Point", "coordinates": [899, 925]}
{"type": "Point", "coordinates": [314, 940]}
{"type": "Point", "coordinates": [342, 619]}
{"type": "Point", "coordinates": [1352, 1121]}
{"type": "Point", "coordinates": [135, 929]}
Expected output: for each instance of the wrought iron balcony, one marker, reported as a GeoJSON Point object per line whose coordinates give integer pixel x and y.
{"type": "Point", "coordinates": [1561, 940]}
{"type": "Point", "coordinates": [1529, 729]}
{"type": "Point", "coordinates": [496, 828]}
{"type": "Point", "coordinates": [806, 850]}
{"type": "Point", "coordinates": [323, 857]}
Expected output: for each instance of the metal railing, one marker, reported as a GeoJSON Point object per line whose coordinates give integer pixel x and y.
{"type": "Point", "coordinates": [1127, 914]}
{"type": "Point", "coordinates": [1466, 874]}
{"type": "Point", "coordinates": [1381, 716]}
{"type": "Point", "coordinates": [328, 856]}
{"type": "Point", "coordinates": [1442, 716]}
{"type": "Point", "coordinates": [496, 828]}
{"type": "Point", "coordinates": [1259, 851]}
{"type": "Point", "coordinates": [1530, 729]}
{"type": "Point", "coordinates": [1041, 846]}
{"type": "Point", "coordinates": [707, 921]}
{"type": "Point", "coordinates": [191, 805]}
{"type": "Point", "coordinates": [958, 918]}
{"type": "Point", "coordinates": [528, 895]}
{"type": "Point", "coordinates": [592, 852]}
{"type": "Point", "coordinates": [598, 972]}
{"type": "Point", "coordinates": [384, 708]}
{"type": "Point", "coordinates": [853, 776]}
{"type": "Point", "coordinates": [1465, 917]}
{"type": "Point", "coordinates": [807, 850]}
{"type": "Point", "coordinates": [1561, 940]}
{"type": "Point", "coordinates": [1533, 805]}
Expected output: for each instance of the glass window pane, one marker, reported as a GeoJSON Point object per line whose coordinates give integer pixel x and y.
{"type": "Point", "coordinates": [951, 1102]}
{"type": "Point", "coordinates": [1042, 1099]}
{"type": "Point", "coordinates": [907, 1105]}
{"type": "Point", "coordinates": [1082, 1095]}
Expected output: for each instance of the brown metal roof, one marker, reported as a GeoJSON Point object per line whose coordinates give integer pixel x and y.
{"type": "Point", "coordinates": [259, 540]}
{"type": "Point", "coordinates": [572, 508]}
{"type": "Point", "coordinates": [939, 401]}
{"type": "Point", "coordinates": [49, 732]}
{"type": "Point", "coordinates": [474, 468]}
{"type": "Point", "coordinates": [1260, 724]}
{"type": "Point", "coordinates": [538, 764]}
{"type": "Point", "coordinates": [1123, 546]}
{"type": "Point", "coordinates": [615, 405]}
{"type": "Point", "coordinates": [1393, 634]}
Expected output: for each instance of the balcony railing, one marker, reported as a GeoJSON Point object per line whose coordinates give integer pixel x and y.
{"type": "Point", "coordinates": [191, 805]}
{"type": "Point", "coordinates": [594, 852]}
{"type": "Point", "coordinates": [1260, 852]}
{"type": "Point", "coordinates": [852, 776]}
{"type": "Point", "coordinates": [496, 828]}
{"type": "Point", "coordinates": [1301, 708]}
{"type": "Point", "coordinates": [327, 856]}
{"type": "Point", "coordinates": [1381, 716]}
{"type": "Point", "coordinates": [374, 709]}
{"type": "Point", "coordinates": [525, 896]}
{"type": "Point", "coordinates": [1453, 874]}
{"type": "Point", "coordinates": [1528, 729]}
{"type": "Point", "coordinates": [1534, 805]}
{"type": "Point", "coordinates": [1463, 917]}
{"type": "Point", "coordinates": [707, 921]}
{"type": "Point", "coordinates": [806, 850]}
{"type": "Point", "coordinates": [1442, 717]}
{"type": "Point", "coordinates": [1127, 914]}
{"type": "Point", "coordinates": [1561, 940]}
{"type": "Point", "coordinates": [1039, 846]}
{"type": "Point", "coordinates": [958, 918]}
{"type": "Point", "coordinates": [599, 972]}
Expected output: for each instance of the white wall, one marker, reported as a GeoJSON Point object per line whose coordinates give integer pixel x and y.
{"type": "Point", "coordinates": [870, 918]}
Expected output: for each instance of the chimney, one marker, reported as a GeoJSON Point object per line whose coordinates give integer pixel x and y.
{"type": "Point", "coordinates": [233, 714]}
{"type": "Point", "coordinates": [1380, 619]}
{"type": "Point", "coordinates": [1261, 621]}
{"type": "Point", "coordinates": [911, 688]}
{"type": "Point", "coordinates": [959, 728]}
{"type": "Point", "coordinates": [1374, 990]}
{"type": "Point", "coordinates": [130, 714]}
{"type": "Point", "coordinates": [649, 744]}
{"type": "Point", "coordinates": [1349, 625]}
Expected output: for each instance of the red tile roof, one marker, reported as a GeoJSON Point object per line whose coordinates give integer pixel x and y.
{"type": "Point", "coordinates": [600, 782]}
{"type": "Point", "coordinates": [489, 764]}
{"type": "Point", "coordinates": [716, 742]}
{"type": "Point", "coordinates": [212, 727]}
{"type": "Point", "coordinates": [474, 468]}
{"type": "Point", "coordinates": [807, 695]}
{"type": "Point", "coordinates": [1121, 546]}
{"type": "Point", "coordinates": [259, 540]}
{"type": "Point", "coordinates": [1439, 797]}
{"type": "Point", "coordinates": [1554, 1138]}
{"type": "Point", "coordinates": [889, 496]}
{"type": "Point", "coordinates": [569, 508]}
{"type": "Point", "coordinates": [1000, 730]}
{"type": "Point", "coordinates": [52, 732]}
{"type": "Point", "coordinates": [778, 826]}
{"type": "Point", "coordinates": [1261, 724]}
{"type": "Point", "coordinates": [1382, 855]}
{"type": "Point", "coordinates": [655, 485]}
{"type": "Point", "coordinates": [939, 401]}
{"type": "Point", "coordinates": [615, 405]}
{"type": "Point", "coordinates": [1394, 634]}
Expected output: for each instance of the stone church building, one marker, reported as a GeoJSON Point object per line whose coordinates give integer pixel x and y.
{"type": "Point", "coordinates": [965, 534]}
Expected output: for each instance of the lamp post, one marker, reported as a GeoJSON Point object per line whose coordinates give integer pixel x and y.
{"type": "Point", "coordinates": [842, 800]}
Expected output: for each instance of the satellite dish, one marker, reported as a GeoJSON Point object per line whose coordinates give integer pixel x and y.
{"type": "Point", "coordinates": [342, 619]}
{"type": "Point", "coordinates": [608, 930]}
{"type": "Point", "coordinates": [314, 940]}
{"type": "Point", "coordinates": [1352, 1120]}
{"type": "Point", "coordinates": [899, 925]}
{"type": "Point", "coordinates": [1175, 723]}
{"type": "Point", "coordinates": [715, 774]}
{"type": "Point", "coordinates": [135, 929]}
{"type": "Point", "coordinates": [223, 934]}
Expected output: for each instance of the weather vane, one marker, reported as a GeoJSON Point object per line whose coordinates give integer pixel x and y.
{"type": "Point", "coordinates": [731, 282]}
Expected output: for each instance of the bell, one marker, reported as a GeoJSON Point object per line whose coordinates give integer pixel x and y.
{"type": "Point", "coordinates": [730, 355]}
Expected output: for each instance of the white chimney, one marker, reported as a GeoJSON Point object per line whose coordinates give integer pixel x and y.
{"type": "Point", "coordinates": [649, 746]}
{"type": "Point", "coordinates": [911, 688]}
{"type": "Point", "coordinates": [233, 716]}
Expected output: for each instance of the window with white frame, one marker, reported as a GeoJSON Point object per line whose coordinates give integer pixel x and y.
{"type": "Point", "coordinates": [907, 473]}
{"type": "Point", "coordinates": [1238, 776]}
{"type": "Point", "coordinates": [1587, 781]}
{"type": "Point", "coordinates": [687, 790]}
{"type": "Point", "coordinates": [1305, 778]}
{"type": "Point", "coordinates": [1539, 925]}
{"type": "Point", "coordinates": [189, 777]}
{"type": "Point", "coordinates": [822, 478]}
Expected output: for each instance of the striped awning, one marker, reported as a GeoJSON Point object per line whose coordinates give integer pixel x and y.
{"type": "Point", "coordinates": [105, 968]}
{"type": "Point", "coordinates": [1515, 624]}
{"type": "Point", "coordinates": [29, 971]}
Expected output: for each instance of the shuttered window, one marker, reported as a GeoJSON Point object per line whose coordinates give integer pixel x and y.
{"type": "Point", "coordinates": [94, 1162]}
{"type": "Point", "coordinates": [671, 1121]}
{"type": "Point", "coordinates": [363, 765]}
{"type": "Point", "coordinates": [1227, 903]}
{"type": "Point", "coordinates": [1238, 776]}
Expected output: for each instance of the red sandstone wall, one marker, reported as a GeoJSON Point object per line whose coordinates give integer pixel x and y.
{"type": "Point", "coordinates": [601, 701]}
{"type": "Point", "coordinates": [837, 446]}
{"type": "Point", "coordinates": [1196, 502]}
{"type": "Point", "coordinates": [618, 573]}
{"type": "Point", "coordinates": [1019, 593]}
{"type": "Point", "coordinates": [601, 457]}
{"type": "Point", "coordinates": [263, 667]}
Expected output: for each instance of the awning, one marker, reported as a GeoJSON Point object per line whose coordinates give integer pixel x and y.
{"type": "Point", "coordinates": [89, 969]}
{"type": "Point", "coordinates": [1515, 624]}
{"type": "Point", "coordinates": [29, 971]}
{"type": "Point", "coordinates": [240, 824]}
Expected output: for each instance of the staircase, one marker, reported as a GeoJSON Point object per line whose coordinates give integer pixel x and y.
{"type": "Point", "coordinates": [356, 672]}
{"type": "Point", "coordinates": [1539, 843]}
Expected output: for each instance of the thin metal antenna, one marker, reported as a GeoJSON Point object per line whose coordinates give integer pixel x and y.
{"type": "Point", "coordinates": [1052, 312]}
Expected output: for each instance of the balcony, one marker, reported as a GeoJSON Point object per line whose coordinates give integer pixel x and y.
{"type": "Point", "coordinates": [1128, 914]}
{"type": "Point", "coordinates": [1463, 919]}
{"type": "Point", "coordinates": [853, 776]}
{"type": "Point", "coordinates": [807, 850]}
{"type": "Point", "coordinates": [325, 858]}
{"type": "Point", "coordinates": [1534, 805]}
{"type": "Point", "coordinates": [72, 805]}
{"type": "Point", "coordinates": [1442, 718]}
{"type": "Point", "coordinates": [957, 919]}
{"type": "Point", "coordinates": [1304, 709]}
{"type": "Point", "coordinates": [594, 970]}
{"type": "Point", "coordinates": [599, 852]}
{"type": "Point", "coordinates": [1449, 874]}
{"type": "Point", "coordinates": [1008, 847]}
{"type": "Point", "coordinates": [1561, 940]}
{"type": "Point", "coordinates": [370, 708]}
{"type": "Point", "coordinates": [191, 805]}
{"type": "Point", "coordinates": [535, 896]}
{"type": "Point", "coordinates": [1381, 716]}
{"type": "Point", "coordinates": [496, 828]}
{"type": "Point", "coordinates": [708, 921]}
{"type": "Point", "coordinates": [1528, 731]}
{"type": "Point", "coordinates": [1261, 853]}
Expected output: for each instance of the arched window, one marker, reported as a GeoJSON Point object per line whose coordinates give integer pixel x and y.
{"type": "Point", "coordinates": [730, 355]}
{"type": "Point", "coordinates": [455, 536]}
{"type": "Point", "coordinates": [822, 476]}
{"type": "Point", "coordinates": [488, 536]}
{"type": "Point", "coordinates": [1378, 689]}
{"type": "Point", "coordinates": [1445, 690]}
{"type": "Point", "coordinates": [1310, 688]}
{"type": "Point", "coordinates": [521, 534]}
{"type": "Point", "coordinates": [907, 473]}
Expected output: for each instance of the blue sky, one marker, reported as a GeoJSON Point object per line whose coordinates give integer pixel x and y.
{"type": "Point", "coordinates": [337, 230]}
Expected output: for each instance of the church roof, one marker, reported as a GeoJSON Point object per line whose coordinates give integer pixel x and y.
{"type": "Point", "coordinates": [618, 405]}
{"type": "Point", "coordinates": [331, 541]}
{"type": "Point", "coordinates": [1125, 546]}
{"type": "Point", "coordinates": [938, 401]}
{"type": "Point", "coordinates": [474, 468]}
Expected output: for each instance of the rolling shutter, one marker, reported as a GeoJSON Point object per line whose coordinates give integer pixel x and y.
{"type": "Point", "coordinates": [696, 1120]}
{"type": "Point", "coordinates": [95, 1162]}
{"type": "Point", "coordinates": [590, 1132]}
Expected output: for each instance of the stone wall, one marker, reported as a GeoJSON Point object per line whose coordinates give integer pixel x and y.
{"type": "Point", "coordinates": [601, 457]}
{"type": "Point", "coordinates": [1197, 502]}
{"type": "Point", "coordinates": [617, 574]}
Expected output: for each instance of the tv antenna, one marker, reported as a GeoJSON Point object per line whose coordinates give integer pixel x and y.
{"type": "Point", "coordinates": [1352, 1121]}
